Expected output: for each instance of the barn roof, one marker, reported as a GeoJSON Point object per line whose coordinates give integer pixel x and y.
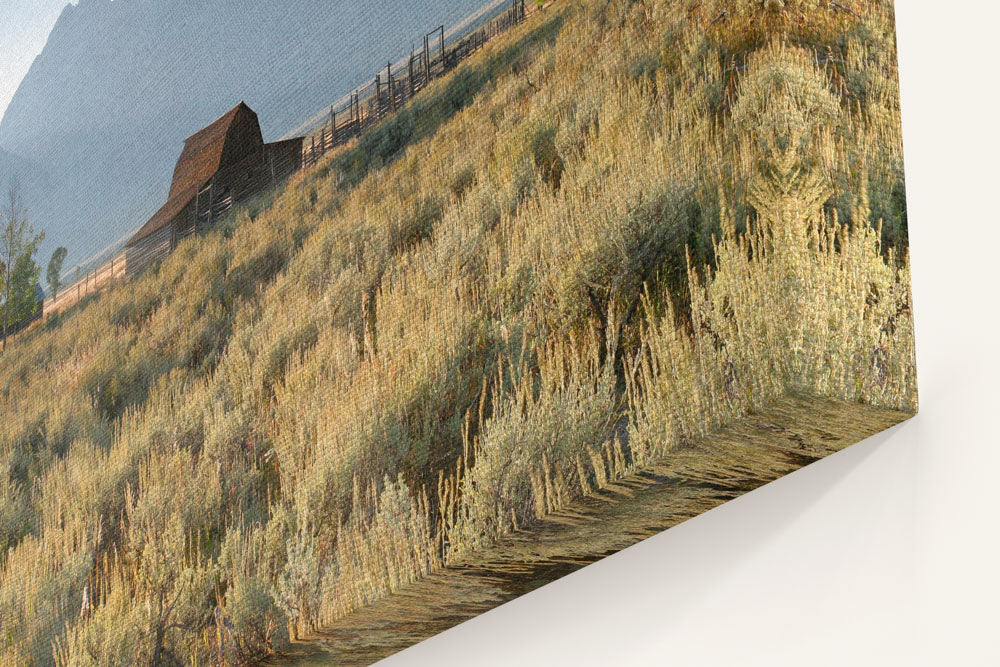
{"type": "Point", "coordinates": [165, 214]}
{"type": "Point", "coordinates": [228, 139]}
{"type": "Point", "coordinates": [207, 150]}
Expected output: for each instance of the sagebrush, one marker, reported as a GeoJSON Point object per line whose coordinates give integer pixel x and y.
{"type": "Point", "coordinates": [618, 227]}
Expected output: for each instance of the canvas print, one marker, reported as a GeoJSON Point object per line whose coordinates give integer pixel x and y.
{"type": "Point", "coordinates": [328, 326]}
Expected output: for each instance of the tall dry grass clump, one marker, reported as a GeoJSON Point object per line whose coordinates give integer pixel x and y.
{"type": "Point", "coordinates": [535, 453]}
{"type": "Point", "coordinates": [801, 302]}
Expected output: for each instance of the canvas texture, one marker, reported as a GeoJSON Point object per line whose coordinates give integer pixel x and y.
{"type": "Point", "coordinates": [328, 328]}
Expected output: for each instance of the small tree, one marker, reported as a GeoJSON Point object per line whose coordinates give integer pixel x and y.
{"type": "Point", "coordinates": [55, 270]}
{"type": "Point", "coordinates": [18, 270]}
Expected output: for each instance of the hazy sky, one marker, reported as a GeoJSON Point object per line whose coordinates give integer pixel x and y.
{"type": "Point", "coordinates": [24, 27]}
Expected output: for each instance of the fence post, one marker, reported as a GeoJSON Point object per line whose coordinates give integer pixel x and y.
{"type": "Point", "coordinates": [211, 200]}
{"type": "Point", "coordinates": [356, 110]}
{"type": "Point", "coordinates": [411, 71]}
{"type": "Point", "coordinates": [378, 95]}
{"type": "Point", "coordinates": [392, 93]}
{"type": "Point", "coordinates": [427, 61]}
{"type": "Point", "coordinates": [442, 49]}
{"type": "Point", "coordinates": [333, 127]}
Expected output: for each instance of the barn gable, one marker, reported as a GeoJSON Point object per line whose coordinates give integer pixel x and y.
{"type": "Point", "coordinates": [228, 140]}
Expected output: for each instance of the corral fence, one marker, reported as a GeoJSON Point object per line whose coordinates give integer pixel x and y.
{"type": "Point", "coordinates": [392, 88]}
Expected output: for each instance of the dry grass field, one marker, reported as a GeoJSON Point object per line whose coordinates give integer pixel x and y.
{"type": "Point", "coordinates": [616, 229]}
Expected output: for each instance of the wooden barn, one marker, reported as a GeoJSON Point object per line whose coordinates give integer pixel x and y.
{"type": "Point", "coordinates": [220, 166]}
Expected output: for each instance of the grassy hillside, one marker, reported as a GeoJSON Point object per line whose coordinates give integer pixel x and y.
{"type": "Point", "coordinates": [104, 109]}
{"type": "Point", "coordinates": [616, 228]}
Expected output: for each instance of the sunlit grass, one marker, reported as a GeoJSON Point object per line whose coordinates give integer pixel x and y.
{"type": "Point", "coordinates": [595, 241]}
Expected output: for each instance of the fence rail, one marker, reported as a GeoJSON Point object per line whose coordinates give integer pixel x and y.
{"type": "Point", "coordinates": [391, 88]}
{"type": "Point", "coordinates": [92, 281]}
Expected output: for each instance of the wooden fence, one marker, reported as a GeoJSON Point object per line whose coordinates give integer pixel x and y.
{"type": "Point", "coordinates": [92, 281]}
{"type": "Point", "coordinates": [391, 88]}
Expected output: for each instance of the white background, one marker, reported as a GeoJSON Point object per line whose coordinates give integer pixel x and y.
{"type": "Point", "coordinates": [884, 554]}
